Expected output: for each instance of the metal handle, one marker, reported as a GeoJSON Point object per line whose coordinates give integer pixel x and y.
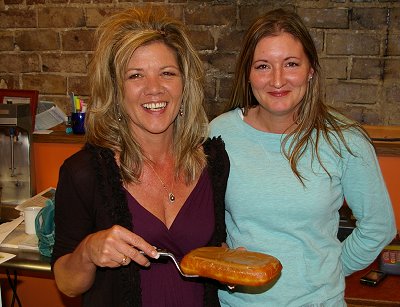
{"type": "Point", "coordinates": [164, 253]}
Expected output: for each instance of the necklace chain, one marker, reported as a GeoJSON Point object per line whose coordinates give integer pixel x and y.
{"type": "Point", "coordinates": [171, 195]}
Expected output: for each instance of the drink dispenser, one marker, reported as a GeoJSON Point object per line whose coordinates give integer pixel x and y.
{"type": "Point", "coordinates": [16, 160]}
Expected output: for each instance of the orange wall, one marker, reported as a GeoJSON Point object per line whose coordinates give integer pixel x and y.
{"type": "Point", "coordinates": [390, 166]}
{"type": "Point", "coordinates": [48, 158]}
{"type": "Point", "coordinates": [35, 291]}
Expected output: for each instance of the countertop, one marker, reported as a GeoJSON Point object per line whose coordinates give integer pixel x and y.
{"type": "Point", "coordinates": [386, 139]}
{"type": "Point", "coordinates": [26, 260]}
{"type": "Point", "coordinates": [386, 293]}
{"type": "Point", "coordinates": [59, 136]}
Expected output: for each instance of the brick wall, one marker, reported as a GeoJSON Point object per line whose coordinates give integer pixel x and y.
{"type": "Point", "coordinates": [46, 45]}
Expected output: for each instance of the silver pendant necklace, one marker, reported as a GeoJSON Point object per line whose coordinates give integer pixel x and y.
{"type": "Point", "coordinates": [171, 195]}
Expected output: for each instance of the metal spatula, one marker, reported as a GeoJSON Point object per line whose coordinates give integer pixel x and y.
{"type": "Point", "coordinates": [164, 253]}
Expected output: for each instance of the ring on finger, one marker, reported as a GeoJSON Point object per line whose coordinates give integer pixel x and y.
{"type": "Point", "coordinates": [124, 260]}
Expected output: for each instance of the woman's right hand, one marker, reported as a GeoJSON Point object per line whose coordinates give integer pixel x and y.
{"type": "Point", "coordinates": [117, 246]}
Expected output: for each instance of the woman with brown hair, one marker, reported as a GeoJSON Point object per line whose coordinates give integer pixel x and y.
{"type": "Point", "coordinates": [294, 160]}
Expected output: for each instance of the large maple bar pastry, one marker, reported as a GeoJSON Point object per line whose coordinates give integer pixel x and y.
{"type": "Point", "coordinates": [231, 266]}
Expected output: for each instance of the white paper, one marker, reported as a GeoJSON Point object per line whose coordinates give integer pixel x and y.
{"type": "Point", "coordinates": [50, 118]}
{"type": "Point", "coordinates": [15, 100]}
{"type": "Point", "coordinates": [44, 106]}
{"type": "Point", "coordinates": [7, 228]}
{"type": "Point", "coordinates": [21, 240]}
{"type": "Point", "coordinates": [5, 256]}
{"type": "Point", "coordinates": [38, 200]}
{"type": "Point", "coordinates": [42, 132]}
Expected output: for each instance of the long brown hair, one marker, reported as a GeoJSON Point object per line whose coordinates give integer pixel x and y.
{"type": "Point", "coordinates": [106, 119]}
{"type": "Point", "coordinates": [313, 114]}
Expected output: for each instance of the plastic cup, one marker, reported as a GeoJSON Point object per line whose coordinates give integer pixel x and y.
{"type": "Point", "coordinates": [30, 214]}
{"type": "Point", "coordinates": [78, 122]}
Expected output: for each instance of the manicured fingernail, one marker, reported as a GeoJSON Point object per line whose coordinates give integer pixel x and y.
{"type": "Point", "coordinates": [155, 254]}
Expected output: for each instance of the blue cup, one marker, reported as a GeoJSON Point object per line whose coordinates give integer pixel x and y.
{"type": "Point", "coordinates": [78, 122]}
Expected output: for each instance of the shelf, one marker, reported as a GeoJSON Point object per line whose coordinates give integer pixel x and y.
{"type": "Point", "coordinates": [59, 137]}
{"type": "Point", "coordinates": [386, 139]}
{"type": "Point", "coordinates": [385, 294]}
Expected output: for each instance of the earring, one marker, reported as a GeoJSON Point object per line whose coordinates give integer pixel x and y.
{"type": "Point", "coordinates": [181, 110]}
{"type": "Point", "coordinates": [309, 78]}
{"type": "Point", "coordinates": [119, 115]}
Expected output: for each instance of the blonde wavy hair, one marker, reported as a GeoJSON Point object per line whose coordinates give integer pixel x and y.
{"type": "Point", "coordinates": [313, 114]}
{"type": "Point", "coordinates": [106, 120]}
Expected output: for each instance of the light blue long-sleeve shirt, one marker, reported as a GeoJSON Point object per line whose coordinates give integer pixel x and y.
{"type": "Point", "coordinates": [270, 211]}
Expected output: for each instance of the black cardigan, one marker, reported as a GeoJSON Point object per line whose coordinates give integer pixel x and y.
{"type": "Point", "coordinates": [90, 186]}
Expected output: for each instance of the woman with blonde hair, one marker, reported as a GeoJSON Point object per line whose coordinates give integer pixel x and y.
{"type": "Point", "coordinates": [147, 177]}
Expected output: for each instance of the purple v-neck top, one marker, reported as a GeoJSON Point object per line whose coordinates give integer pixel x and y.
{"type": "Point", "coordinates": [161, 284]}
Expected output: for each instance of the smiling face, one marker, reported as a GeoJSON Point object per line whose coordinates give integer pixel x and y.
{"type": "Point", "coordinates": [279, 75]}
{"type": "Point", "coordinates": [153, 89]}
